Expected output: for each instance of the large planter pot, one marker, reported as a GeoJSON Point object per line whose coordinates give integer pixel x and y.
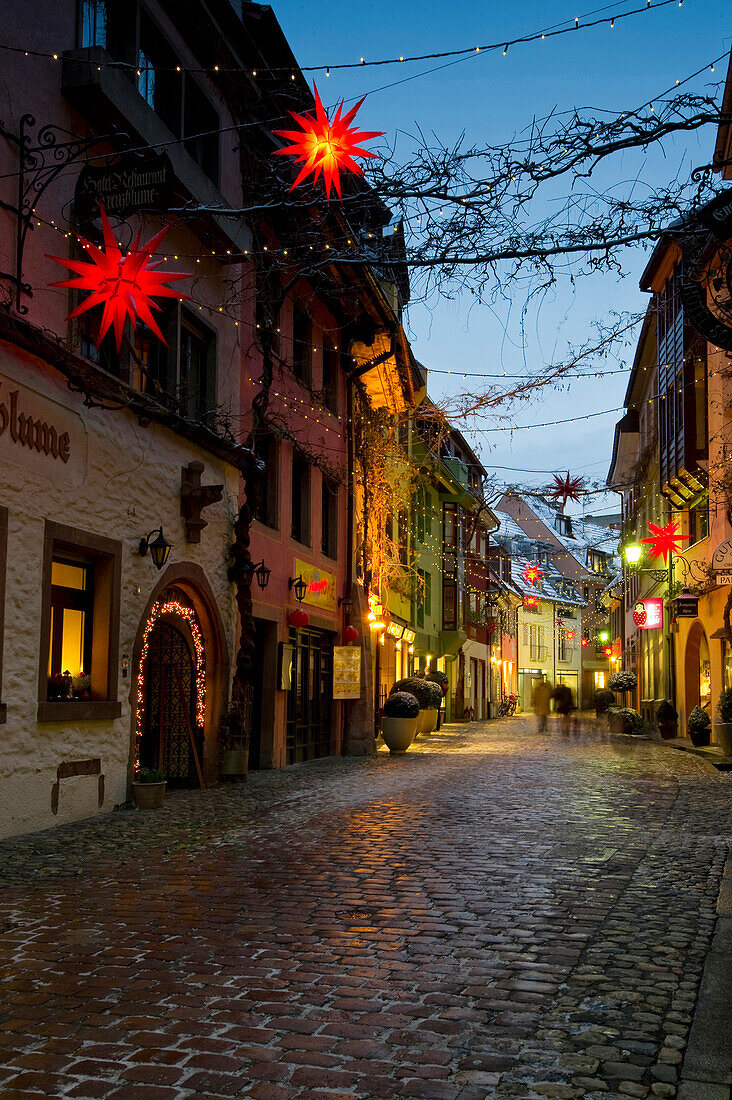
{"type": "Point", "coordinates": [148, 796]}
{"type": "Point", "coordinates": [668, 730]}
{"type": "Point", "coordinates": [235, 764]}
{"type": "Point", "coordinates": [427, 720]}
{"type": "Point", "coordinates": [700, 738]}
{"type": "Point", "coordinates": [398, 733]}
{"type": "Point", "coordinates": [723, 731]}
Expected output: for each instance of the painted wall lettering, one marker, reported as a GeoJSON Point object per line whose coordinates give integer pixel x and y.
{"type": "Point", "coordinates": [29, 432]}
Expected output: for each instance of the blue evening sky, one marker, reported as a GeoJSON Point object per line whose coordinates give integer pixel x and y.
{"type": "Point", "coordinates": [491, 97]}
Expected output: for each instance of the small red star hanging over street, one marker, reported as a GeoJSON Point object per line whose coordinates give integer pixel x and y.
{"type": "Point", "coordinates": [664, 540]}
{"type": "Point", "coordinates": [566, 488]}
{"type": "Point", "coordinates": [325, 146]}
{"type": "Point", "coordinates": [124, 284]}
{"type": "Point", "coordinates": [532, 574]}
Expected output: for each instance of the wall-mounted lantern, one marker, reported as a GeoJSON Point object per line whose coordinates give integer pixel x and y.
{"type": "Point", "coordinates": [300, 586]}
{"type": "Point", "coordinates": [159, 549]}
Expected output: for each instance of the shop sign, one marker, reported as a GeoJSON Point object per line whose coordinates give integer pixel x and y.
{"type": "Point", "coordinates": [686, 606]}
{"type": "Point", "coordinates": [132, 183]}
{"type": "Point", "coordinates": [321, 585]}
{"type": "Point", "coordinates": [409, 635]}
{"type": "Point", "coordinates": [654, 613]}
{"type": "Point", "coordinates": [346, 672]}
{"type": "Point", "coordinates": [723, 578]}
{"type": "Point", "coordinates": [395, 629]}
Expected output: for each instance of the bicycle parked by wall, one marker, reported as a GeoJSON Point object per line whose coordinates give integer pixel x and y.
{"type": "Point", "coordinates": [507, 706]}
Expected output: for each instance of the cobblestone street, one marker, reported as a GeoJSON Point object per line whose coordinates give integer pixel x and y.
{"type": "Point", "coordinates": [497, 913]}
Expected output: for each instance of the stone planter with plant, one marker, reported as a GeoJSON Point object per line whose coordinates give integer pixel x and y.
{"type": "Point", "coordinates": [399, 718]}
{"type": "Point", "coordinates": [668, 720]}
{"type": "Point", "coordinates": [429, 697]}
{"type": "Point", "coordinates": [148, 788]}
{"type": "Point", "coordinates": [625, 720]}
{"type": "Point", "coordinates": [699, 726]}
{"type": "Point", "coordinates": [623, 681]}
{"type": "Point", "coordinates": [723, 726]}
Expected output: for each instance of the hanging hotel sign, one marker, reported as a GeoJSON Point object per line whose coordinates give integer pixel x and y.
{"type": "Point", "coordinates": [409, 635]}
{"type": "Point", "coordinates": [396, 629]}
{"type": "Point", "coordinates": [130, 184]}
{"type": "Point", "coordinates": [654, 613]}
{"type": "Point", "coordinates": [321, 586]}
{"type": "Point", "coordinates": [686, 605]}
{"type": "Point", "coordinates": [346, 672]}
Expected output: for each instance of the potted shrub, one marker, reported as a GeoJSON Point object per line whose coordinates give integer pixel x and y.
{"type": "Point", "coordinates": [668, 720]}
{"type": "Point", "coordinates": [443, 682]}
{"type": "Point", "coordinates": [699, 726]}
{"type": "Point", "coordinates": [399, 719]}
{"type": "Point", "coordinates": [723, 728]}
{"type": "Point", "coordinates": [148, 788]}
{"type": "Point", "coordinates": [630, 719]}
{"type": "Point", "coordinates": [429, 697]}
{"type": "Point", "coordinates": [604, 699]}
{"type": "Point", "coordinates": [623, 681]}
{"type": "Point", "coordinates": [235, 761]}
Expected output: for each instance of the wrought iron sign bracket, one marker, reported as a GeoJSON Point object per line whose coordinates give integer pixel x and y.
{"type": "Point", "coordinates": [41, 160]}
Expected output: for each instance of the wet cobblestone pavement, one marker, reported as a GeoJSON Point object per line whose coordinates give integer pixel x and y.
{"type": "Point", "coordinates": [496, 914]}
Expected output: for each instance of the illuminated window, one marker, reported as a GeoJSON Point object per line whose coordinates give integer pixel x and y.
{"type": "Point", "coordinates": [72, 606]}
{"type": "Point", "coordinates": [93, 23]}
{"type": "Point", "coordinates": [79, 645]}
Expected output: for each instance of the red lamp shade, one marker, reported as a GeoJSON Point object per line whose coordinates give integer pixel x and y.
{"type": "Point", "coordinates": [350, 634]}
{"type": "Point", "coordinates": [298, 618]}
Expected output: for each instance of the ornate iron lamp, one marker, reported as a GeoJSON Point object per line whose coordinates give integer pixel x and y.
{"type": "Point", "coordinates": [300, 586]}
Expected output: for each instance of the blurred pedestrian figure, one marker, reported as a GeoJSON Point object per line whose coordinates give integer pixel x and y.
{"type": "Point", "coordinates": [540, 700]}
{"type": "Point", "coordinates": [563, 705]}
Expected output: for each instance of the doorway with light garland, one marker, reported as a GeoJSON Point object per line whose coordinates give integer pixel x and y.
{"type": "Point", "coordinates": [181, 680]}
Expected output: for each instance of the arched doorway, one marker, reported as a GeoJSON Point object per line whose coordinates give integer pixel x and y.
{"type": "Point", "coordinates": [697, 670]}
{"type": "Point", "coordinates": [171, 691]}
{"type": "Point", "coordinates": [171, 738]}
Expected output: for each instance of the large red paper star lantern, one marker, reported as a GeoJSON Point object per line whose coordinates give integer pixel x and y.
{"type": "Point", "coordinates": [324, 146]}
{"type": "Point", "coordinates": [532, 574]}
{"type": "Point", "coordinates": [531, 603]}
{"type": "Point", "coordinates": [124, 284]}
{"type": "Point", "coordinates": [664, 540]}
{"type": "Point", "coordinates": [566, 488]}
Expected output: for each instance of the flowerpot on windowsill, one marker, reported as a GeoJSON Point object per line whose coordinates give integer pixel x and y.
{"type": "Point", "coordinates": [148, 796]}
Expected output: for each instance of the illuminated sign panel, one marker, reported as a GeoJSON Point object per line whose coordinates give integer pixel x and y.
{"type": "Point", "coordinates": [654, 613]}
{"type": "Point", "coordinates": [321, 590]}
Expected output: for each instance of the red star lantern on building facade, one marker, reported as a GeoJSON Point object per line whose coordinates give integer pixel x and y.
{"type": "Point", "coordinates": [585, 641]}
{"type": "Point", "coordinates": [326, 146]}
{"type": "Point", "coordinates": [125, 285]}
{"type": "Point", "coordinates": [531, 603]}
{"type": "Point", "coordinates": [532, 574]}
{"type": "Point", "coordinates": [566, 488]}
{"type": "Point", "coordinates": [664, 540]}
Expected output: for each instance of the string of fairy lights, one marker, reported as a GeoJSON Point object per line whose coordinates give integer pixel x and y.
{"type": "Point", "coordinates": [573, 25]}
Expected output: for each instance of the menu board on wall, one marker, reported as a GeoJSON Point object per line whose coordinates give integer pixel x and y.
{"type": "Point", "coordinates": [346, 672]}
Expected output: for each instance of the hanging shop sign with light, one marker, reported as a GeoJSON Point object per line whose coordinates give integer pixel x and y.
{"type": "Point", "coordinates": [653, 607]}
{"type": "Point", "coordinates": [395, 629]}
{"type": "Point", "coordinates": [686, 605]}
{"type": "Point", "coordinates": [408, 636]}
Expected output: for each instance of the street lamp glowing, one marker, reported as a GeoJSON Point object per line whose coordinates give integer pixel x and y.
{"type": "Point", "coordinates": [633, 553]}
{"type": "Point", "coordinates": [604, 636]}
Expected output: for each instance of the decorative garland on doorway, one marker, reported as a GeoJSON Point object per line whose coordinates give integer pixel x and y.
{"type": "Point", "coordinates": [171, 607]}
